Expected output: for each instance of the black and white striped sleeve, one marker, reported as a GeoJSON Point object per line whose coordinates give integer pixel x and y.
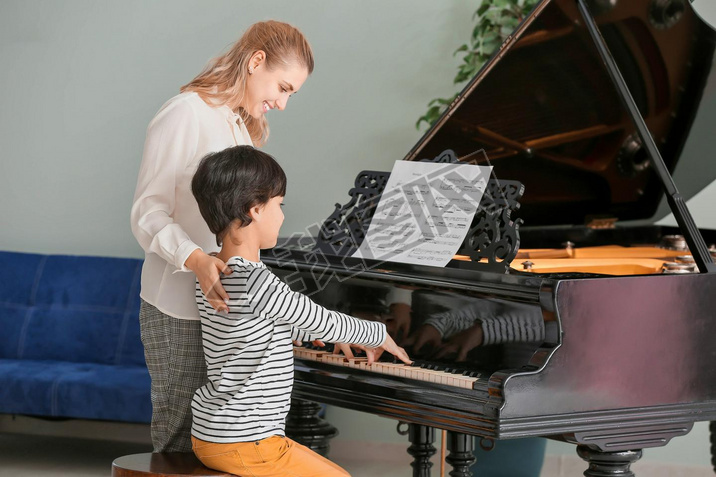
{"type": "Point", "coordinates": [272, 299]}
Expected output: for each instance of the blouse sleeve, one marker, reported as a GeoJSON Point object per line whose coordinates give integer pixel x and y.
{"type": "Point", "coordinates": [171, 142]}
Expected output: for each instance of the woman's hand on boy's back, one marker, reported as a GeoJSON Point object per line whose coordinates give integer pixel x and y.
{"type": "Point", "coordinates": [207, 269]}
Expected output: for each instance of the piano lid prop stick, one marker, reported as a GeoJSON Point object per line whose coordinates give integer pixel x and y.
{"type": "Point", "coordinates": [674, 198]}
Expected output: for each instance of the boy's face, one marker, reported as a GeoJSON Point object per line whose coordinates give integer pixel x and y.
{"type": "Point", "coordinates": [271, 220]}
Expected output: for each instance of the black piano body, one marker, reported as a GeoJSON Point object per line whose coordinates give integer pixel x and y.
{"type": "Point", "coordinates": [625, 355]}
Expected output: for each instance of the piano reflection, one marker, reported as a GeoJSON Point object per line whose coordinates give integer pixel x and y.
{"type": "Point", "coordinates": [566, 313]}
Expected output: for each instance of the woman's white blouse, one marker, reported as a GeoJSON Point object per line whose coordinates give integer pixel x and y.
{"type": "Point", "coordinates": [165, 217]}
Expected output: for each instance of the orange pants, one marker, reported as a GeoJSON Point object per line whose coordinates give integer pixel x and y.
{"type": "Point", "coordinates": [273, 456]}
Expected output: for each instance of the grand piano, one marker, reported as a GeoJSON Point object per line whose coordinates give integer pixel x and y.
{"type": "Point", "coordinates": [588, 323]}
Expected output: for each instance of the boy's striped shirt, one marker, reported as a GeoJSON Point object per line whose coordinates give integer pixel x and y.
{"type": "Point", "coordinates": [249, 352]}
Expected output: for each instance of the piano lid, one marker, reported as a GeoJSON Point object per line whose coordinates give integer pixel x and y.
{"type": "Point", "coordinates": [547, 114]}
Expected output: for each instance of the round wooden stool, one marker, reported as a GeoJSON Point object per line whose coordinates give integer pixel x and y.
{"type": "Point", "coordinates": [167, 464]}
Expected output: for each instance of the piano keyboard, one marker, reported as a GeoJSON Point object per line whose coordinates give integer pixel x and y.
{"type": "Point", "coordinates": [449, 375]}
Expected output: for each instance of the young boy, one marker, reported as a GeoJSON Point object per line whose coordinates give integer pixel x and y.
{"type": "Point", "coordinates": [239, 415]}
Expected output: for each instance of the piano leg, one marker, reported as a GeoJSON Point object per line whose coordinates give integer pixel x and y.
{"type": "Point", "coordinates": [305, 427]}
{"type": "Point", "coordinates": [460, 453]}
{"type": "Point", "coordinates": [608, 464]}
{"type": "Point", "coordinates": [421, 448]}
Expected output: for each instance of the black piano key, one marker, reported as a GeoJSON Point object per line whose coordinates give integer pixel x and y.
{"type": "Point", "coordinates": [455, 370]}
{"type": "Point", "coordinates": [445, 367]}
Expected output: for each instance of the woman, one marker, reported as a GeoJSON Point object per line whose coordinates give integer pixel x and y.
{"type": "Point", "coordinates": [224, 106]}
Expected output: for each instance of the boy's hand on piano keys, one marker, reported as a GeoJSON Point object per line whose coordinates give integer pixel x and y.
{"type": "Point", "coordinates": [391, 347]}
{"type": "Point", "coordinates": [346, 349]}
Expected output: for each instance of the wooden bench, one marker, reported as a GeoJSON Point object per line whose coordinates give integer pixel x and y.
{"type": "Point", "coordinates": [168, 464]}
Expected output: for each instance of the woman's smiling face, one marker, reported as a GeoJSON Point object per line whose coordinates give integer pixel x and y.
{"type": "Point", "coordinates": [268, 89]}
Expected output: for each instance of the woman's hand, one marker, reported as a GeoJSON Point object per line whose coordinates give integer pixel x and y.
{"type": "Point", "coordinates": [207, 269]}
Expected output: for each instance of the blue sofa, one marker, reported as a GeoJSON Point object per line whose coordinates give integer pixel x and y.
{"type": "Point", "coordinates": [69, 338]}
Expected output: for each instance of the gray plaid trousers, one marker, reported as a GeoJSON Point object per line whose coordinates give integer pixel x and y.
{"type": "Point", "coordinates": [175, 358]}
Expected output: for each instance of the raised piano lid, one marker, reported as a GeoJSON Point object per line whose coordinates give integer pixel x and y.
{"type": "Point", "coordinates": [548, 115]}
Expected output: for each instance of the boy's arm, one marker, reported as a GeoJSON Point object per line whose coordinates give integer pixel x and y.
{"type": "Point", "coordinates": [273, 299]}
{"type": "Point", "coordinates": [300, 335]}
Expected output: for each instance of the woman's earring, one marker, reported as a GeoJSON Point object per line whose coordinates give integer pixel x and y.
{"type": "Point", "coordinates": [251, 70]}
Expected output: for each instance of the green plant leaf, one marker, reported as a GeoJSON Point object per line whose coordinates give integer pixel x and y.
{"type": "Point", "coordinates": [494, 20]}
{"type": "Point", "coordinates": [462, 48]}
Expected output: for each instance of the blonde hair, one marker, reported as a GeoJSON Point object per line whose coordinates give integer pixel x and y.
{"type": "Point", "coordinates": [223, 80]}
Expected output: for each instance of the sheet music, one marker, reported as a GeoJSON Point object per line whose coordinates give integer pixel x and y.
{"type": "Point", "coordinates": [424, 212]}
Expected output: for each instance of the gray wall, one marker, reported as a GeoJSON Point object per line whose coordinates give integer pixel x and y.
{"type": "Point", "coordinates": [80, 81]}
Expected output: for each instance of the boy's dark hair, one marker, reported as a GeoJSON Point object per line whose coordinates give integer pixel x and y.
{"type": "Point", "coordinates": [228, 183]}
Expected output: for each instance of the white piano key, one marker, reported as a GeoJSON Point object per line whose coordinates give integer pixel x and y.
{"type": "Point", "coordinates": [392, 369]}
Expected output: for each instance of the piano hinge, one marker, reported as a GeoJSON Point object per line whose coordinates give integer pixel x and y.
{"type": "Point", "coordinates": [601, 222]}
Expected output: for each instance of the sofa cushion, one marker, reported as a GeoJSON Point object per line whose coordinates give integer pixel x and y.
{"type": "Point", "coordinates": [98, 283]}
{"type": "Point", "coordinates": [69, 338]}
{"type": "Point", "coordinates": [71, 334]}
{"type": "Point", "coordinates": [130, 350]}
{"type": "Point", "coordinates": [19, 274]}
{"type": "Point", "coordinates": [12, 322]}
{"type": "Point", "coordinates": [70, 308]}
{"type": "Point", "coordinates": [77, 390]}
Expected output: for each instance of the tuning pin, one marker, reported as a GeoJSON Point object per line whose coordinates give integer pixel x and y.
{"type": "Point", "coordinates": [673, 242]}
{"type": "Point", "coordinates": [672, 268]}
{"type": "Point", "coordinates": [686, 259]}
{"type": "Point", "coordinates": [527, 265]}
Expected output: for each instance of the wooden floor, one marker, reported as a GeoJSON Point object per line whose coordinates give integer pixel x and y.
{"type": "Point", "coordinates": [31, 447]}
